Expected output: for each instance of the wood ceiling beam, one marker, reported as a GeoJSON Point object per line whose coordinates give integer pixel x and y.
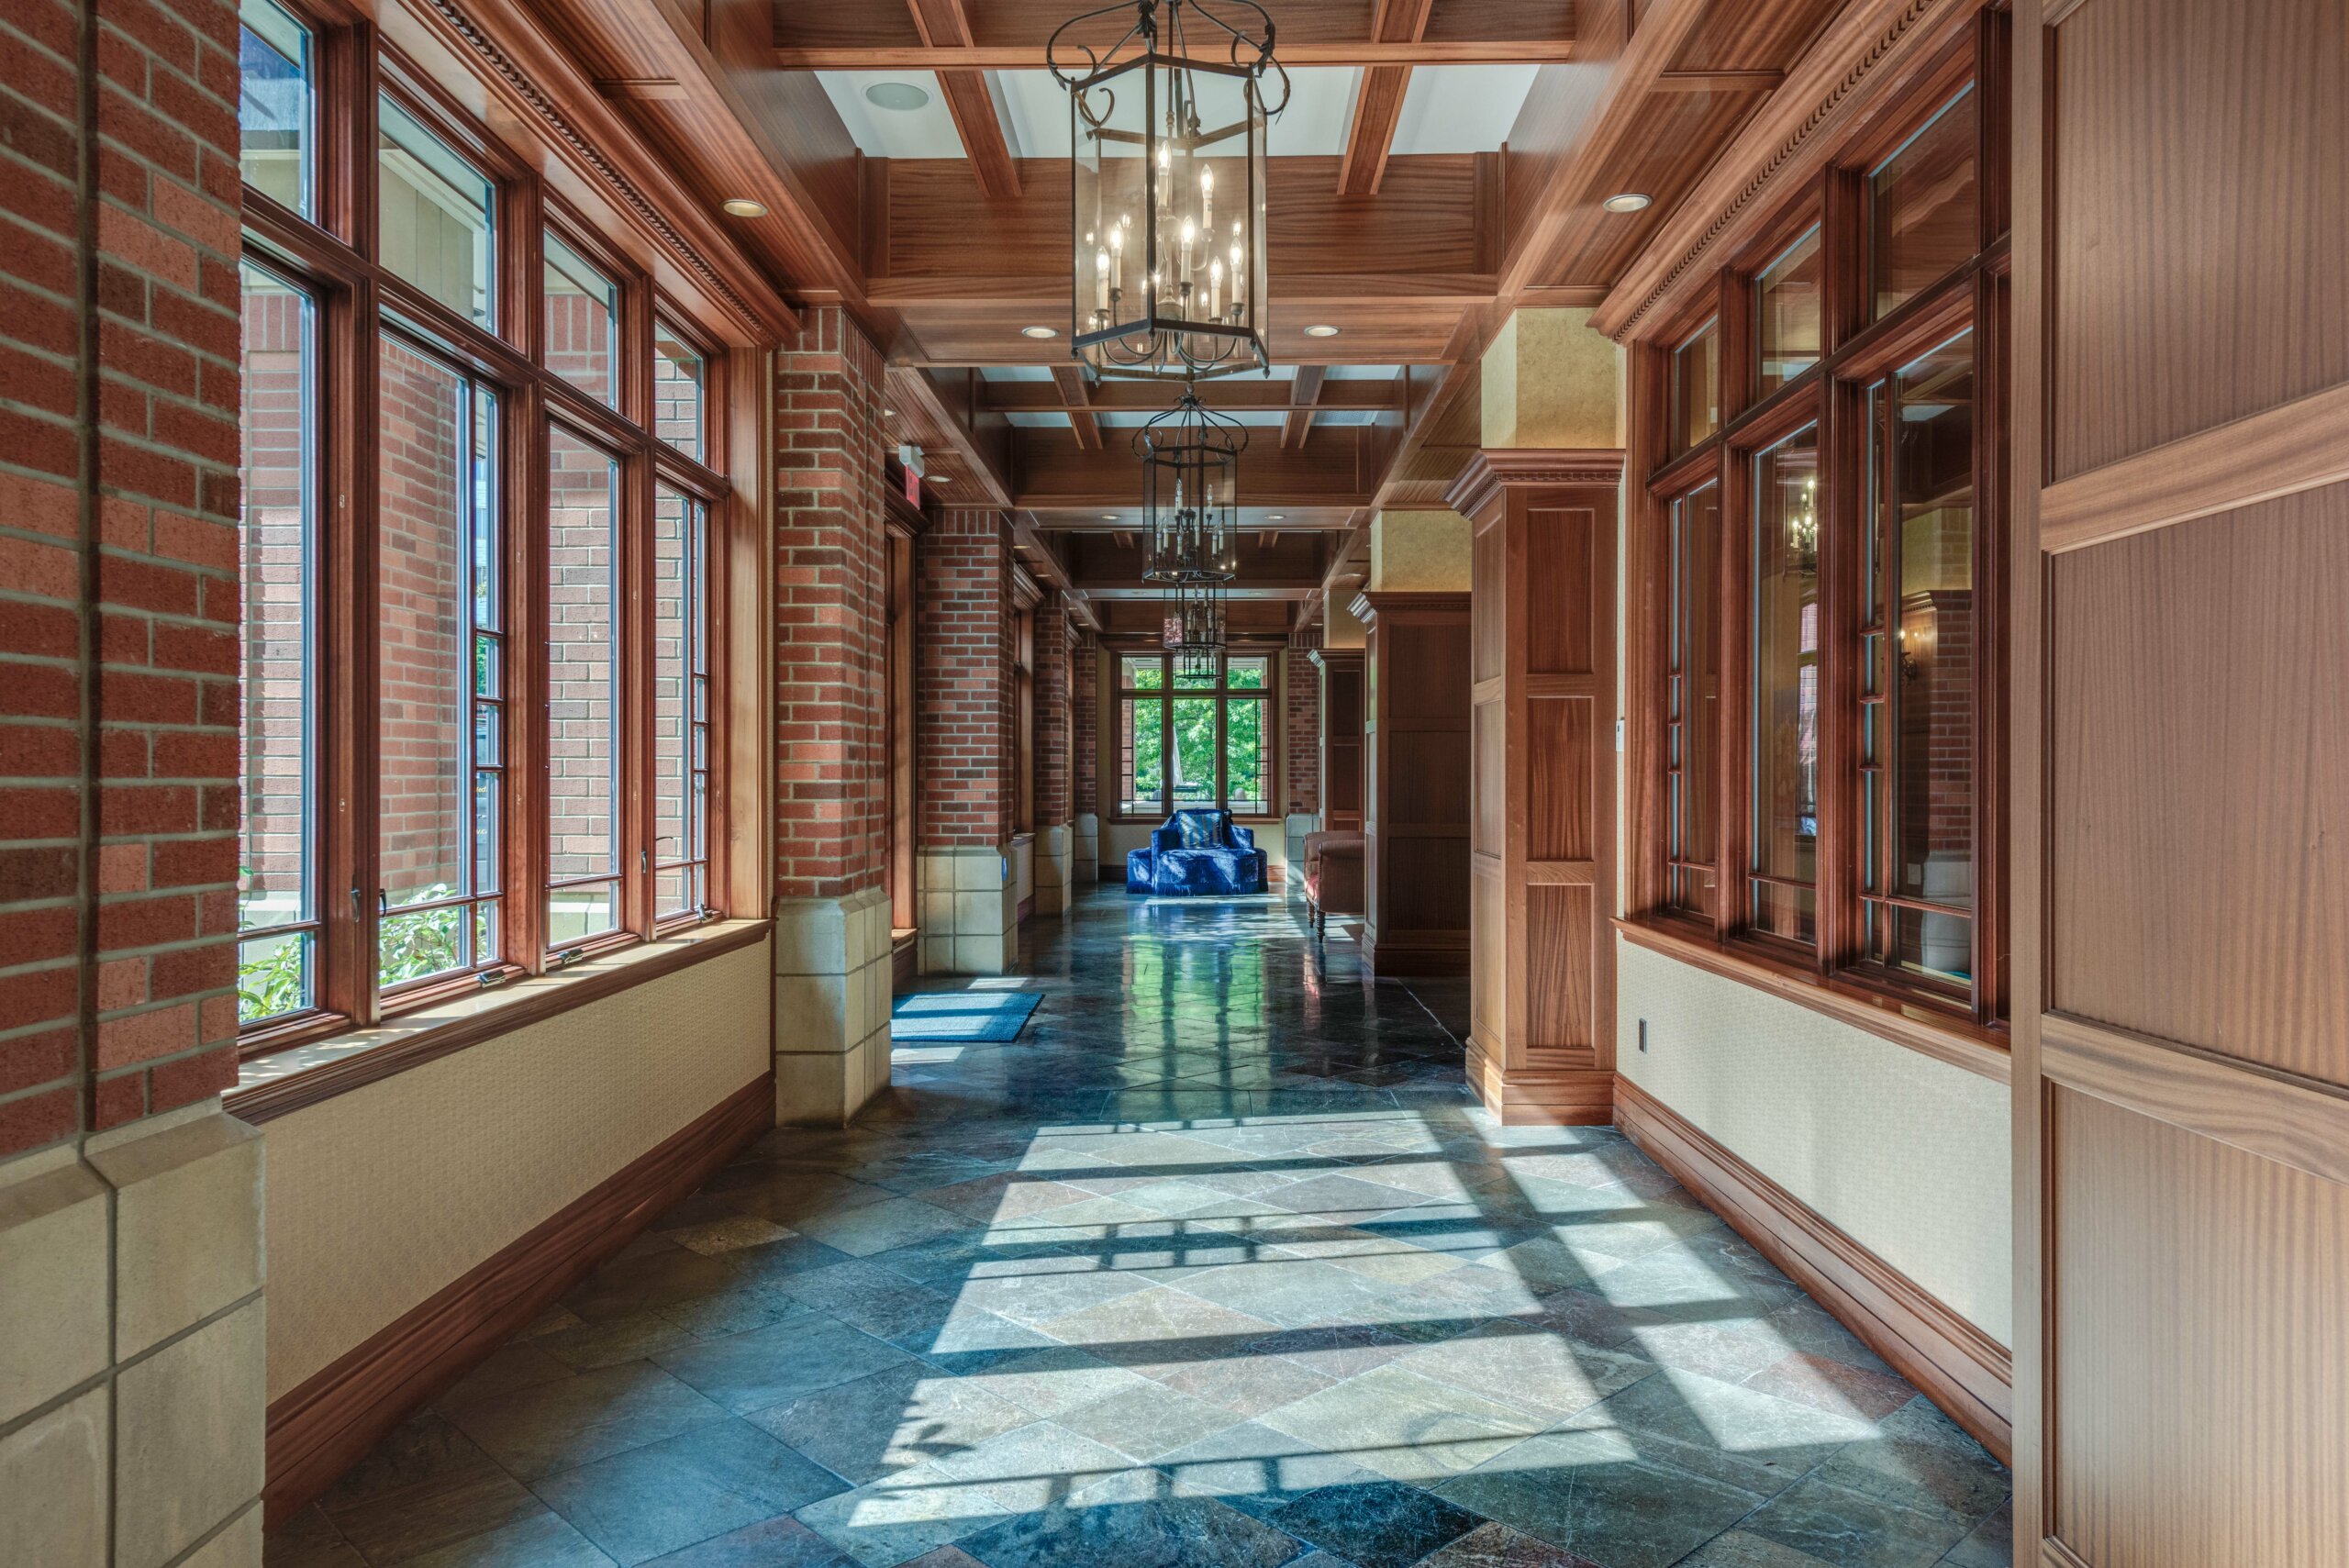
{"type": "Point", "coordinates": [1719, 81]}
{"type": "Point", "coordinates": [1069, 386]}
{"type": "Point", "coordinates": [1030, 56]}
{"type": "Point", "coordinates": [914, 393]}
{"type": "Point", "coordinates": [1575, 122]}
{"type": "Point", "coordinates": [1237, 393]}
{"type": "Point", "coordinates": [1378, 98]}
{"type": "Point", "coordinates": [1299, 423]}
{"type": "Point", "coordinates": [943, 25]}
{"type": "Point", "coordinates": [1045, 562]}
{"type": "Point", "coordinates": [1054, 473]}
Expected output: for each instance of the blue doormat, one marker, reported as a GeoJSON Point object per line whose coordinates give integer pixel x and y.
{"type": "Point", "coordinates": [992, 1017]}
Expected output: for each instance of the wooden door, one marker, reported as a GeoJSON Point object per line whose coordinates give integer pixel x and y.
{"type": "Point", "coordinates": [2182, 789]}
{"type": "Point", "coordinates": [1342, 716]}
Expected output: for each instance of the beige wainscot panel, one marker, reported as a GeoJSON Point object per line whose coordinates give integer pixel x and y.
{"type": "Point", "coordinates": [1908, 1155]}
{"type": "Point", "coordinates": [381, 1197]}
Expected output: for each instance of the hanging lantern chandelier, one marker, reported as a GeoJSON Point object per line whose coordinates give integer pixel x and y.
{"type": "Point", "coordinates": [1195, 628]}
{"type": "Point", "coordinates": [1190, 462]}
{"type": "Point", "coordinates": [1168, 149]}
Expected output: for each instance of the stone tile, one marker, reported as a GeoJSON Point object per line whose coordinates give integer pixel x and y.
{"type": "Point", "coordinates": [1244, 1385]}
{"type": "Point", "coordinates": [432, 1511]}
{"type": "Point", "coordinates": [1380, 1524]}
{"type": "Point", "coordinates": [516, 1366]}
{"type": "Point", "coordinates": [1541, 1373]}
{"type": "Point", "coordinates": [307, 1541]}
{"type": "Point", "coordinates": [1055, 1380]}
{"type": "Point", "coordinates": [1830, 1384]}
{"type": "Point", "coordinates": [771, 1544]}
{"type": "Point", "coordinates": [1921, 1459]}
{"type": "Point", "coordinates": [892, 1421]}
{"type": "Point", "coordinates": [1178, 1532]}
{"type": "Point", "coordinates": [1738, 1548]}
{"type": "Point", "coordinates": [542, 1539]}
{"type": "Point", "coordinates": [1033, 1466]}
{"type": "Point", "coordinates": [666, 1278]}
{"type": "Point", "coordinates": [1145, 1422]}
{"type": "Point", "coordinates": [1157, 1326]}
{"type": "Point", "coordinates": [1735, 1435]}
{"type": "Point", "coordinates": [422, 1448]}
{"type": "Point", "coordinates": [1991, 1544]}
{"type": "Point", "coordinates": [184, 1454]}
{"type": "Point", "coordinates": [716, 1237]}
{"type": "Point", "coordinates": [877, 1227]}
{"type": "Point", "coordinates": [902, 1516]}
{"type": "Point", "coordinates": [767, 1366]}
{"type": "Point", "coordinates": [1497, 1546]}
{"type": "Point", "coordinates": [1593, 1494]}
{"type": "Point", "coordinates": [1407, 1426]}
{"type": "Point", "coordinates": [554, 1425]}
{"type": "Point", "coordinates": [1851, 1530]}
{"type": "Point", "coordinates": [702, 1482]}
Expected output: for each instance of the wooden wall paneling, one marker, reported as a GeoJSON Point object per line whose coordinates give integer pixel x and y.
{"type": "Point", "coordinates": [741, 566]}
{"type": "Point", "coordinates": [1542, 1037]}
{"type": "Point", "coordinates": [1416, 776]}
{"type": "Point", "coordinates": [1341, 737]}
{"type": "Point", "coordinates": [2181, 1030]}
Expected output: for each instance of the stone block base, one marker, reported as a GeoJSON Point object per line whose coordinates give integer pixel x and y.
{"type": "Point", "coordinates": [833, 993]}
{"type": "Point", "coordinates": [1055, 869]}
{"type": "Point", "coordinates": [970, 911]}
{"type": "Point", "coordinates": [133, 1380]}
{"type": "Point", "coordinates": [1084, 853]}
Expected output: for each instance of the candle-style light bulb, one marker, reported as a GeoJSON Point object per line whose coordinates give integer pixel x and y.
{"type": "Point", "coordinates": [1101, 279]}
{"type": "Point", "coordinates": [1206, 199]}
{"type": "Point", "coordinates": [1215, 288]}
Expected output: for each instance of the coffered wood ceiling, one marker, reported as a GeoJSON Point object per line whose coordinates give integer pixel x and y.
{"type": "Point", "coordinates": [1417, 257]}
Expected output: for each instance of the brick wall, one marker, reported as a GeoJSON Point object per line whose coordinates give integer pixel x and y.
{"type": "Point", "coordinates": [964, 640]}
{"type": "Point", "coordinates": [1084, 721]}
{"type": "Point", "coordinates": [831, 612]}
{"type": "Point", "coordinates": [117, 563]}
{"type": "Point", "coordinates": [1301, 734]}
{"type": "Point", "coordinates": [1051, 740]}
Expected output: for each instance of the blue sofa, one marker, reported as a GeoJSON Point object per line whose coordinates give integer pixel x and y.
{"type": "Point", "coordinates": [1197, 851]}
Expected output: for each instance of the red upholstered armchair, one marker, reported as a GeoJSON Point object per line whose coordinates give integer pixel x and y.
{"type": "Point", "coordinates": [1332, 877]}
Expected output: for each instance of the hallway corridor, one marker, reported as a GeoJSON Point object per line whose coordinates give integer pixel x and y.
{"type": "Point", "coordinates": [1217, 1264]}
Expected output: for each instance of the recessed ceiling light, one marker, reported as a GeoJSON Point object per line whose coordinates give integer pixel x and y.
{"type": "Point", "coordinates": [743, 206]}
{"type": "Point", "coordinates": [1630, 201]}
{"type": "Point", "coordinates": [1109, 516]}
{"type": "Point", "coordinates": [1040, 332]}
{"type": "Point", "coordinates": [902, 97]}
{"type": "Point", "coordinates": [1324, 330]}
{"type": "Point", "coordinates": [1276, 517]}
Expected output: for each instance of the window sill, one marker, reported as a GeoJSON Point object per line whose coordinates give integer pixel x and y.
{"type": "Point", "coordinates": [271, 1086]}
{"type": "Point", "coordinates": [1954, 1040]}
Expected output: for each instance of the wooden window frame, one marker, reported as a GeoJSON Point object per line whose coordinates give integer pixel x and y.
{"type": "Point", "coordinates": [1224, 697]}
{"type": "Point", "coordinates": [1856, 352]}
{"type": "Point", "coordinates": [335, 258]}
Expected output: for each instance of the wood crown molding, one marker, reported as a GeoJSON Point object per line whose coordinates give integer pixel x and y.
{"type": "Point", "coordinates": [1840, 72]}
{"type": "Point", "coordinates": [321, 1429]}
{"type": "Point", "coordinates": [769, 326]}
{"type": "Point", "coordinates": [285, 1082]}
{"type": "Point", "coordinates": [1495, 470]}
{"type": "Point", "coordinates": [1953, 1363]}
{"type": "Point", "coordinates": [1367, 605]}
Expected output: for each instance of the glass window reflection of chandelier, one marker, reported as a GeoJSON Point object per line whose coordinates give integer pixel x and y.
{"type": "Point", "coordinates": [1168, 154]}
{"type": "Point", "coordinates": [1190, 460]}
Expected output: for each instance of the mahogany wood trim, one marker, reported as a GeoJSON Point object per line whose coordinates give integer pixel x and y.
{"type": "Point", "coordinates": [972, 109]}
{"type": "Point", "coordinates": [1850, 65]}
{"type": "Point", "coordinates": [287, 1082]}
{"type": "Point", "coordinates": [1944, 1037]}
{"type": "Point", "coordinates": [1719, 81]}
{"type": "Point", "coordinates": [1562, 1096]}
{"type": "Point", "coordinates": [2053, 1553]}
{"type": "Point", "coordinates": [324, 1427]}
{"type": "Point", "coordinates": [1068, 386]}
{"type": "Point", "coordinates": [1338, 51]}
{"type": "Point", "coordinates": [1956, 1365]}
{"type": "Point", "coordinates": [2293, 446]}
{"type": "Point", "coordinates": [1305, 391]}
{"type": "Point", "coordinates": [2273, 1115]}
{"type": "Point", "coordinates": [1491, 468]}
{"type": "Point", "coordinates": [1378, 106]}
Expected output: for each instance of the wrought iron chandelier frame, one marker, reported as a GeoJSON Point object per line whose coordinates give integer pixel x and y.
{"type": "Point", "coordinates": [1190, 459]}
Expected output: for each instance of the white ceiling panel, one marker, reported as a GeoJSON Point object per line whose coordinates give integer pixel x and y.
{"type": "Point", "coordinates": [1035, 110]}
{"type": "Point", "coordinates": [1462, 108]}
{"type": "Point", "coordinates": [1362, 372]}
{"type": "Point", "coordinates": [1015, 373]}
{"type": "Point", "coordinates": [926, 132]}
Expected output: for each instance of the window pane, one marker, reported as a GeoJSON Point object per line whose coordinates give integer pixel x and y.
{"type": "Point", "coordinates": [1142, 674]}
{"type": "Point", "coordinates": [277, 557]}
{"type": "Point", "coordinates": [1787, 313]}
{"type": "Point", "coordinates": [274, 122]}
{"type": "Point", "coordinates": [1694, 678]}
{"type": "Point", "coordinates": [1920, 207]}
{"type": "Point", "coordinates": [582, 315]}
{"type": "Point", "coordinates": [438, 530]}
{"type": "Point", "coordinates": [1194, 779]}
{"type": "Point", "coordinates": [1928, 835]}
{"type": "Point", "coordinates": [1695, 388]}
{"type": "Point", "coordinates": [436, 214]}
{"type": "Point", "coordinates": [679, 671]}
{"type": "Point", "coordinates": [1141, 746]}
{"type": "Point", "coordinates": [1245, 790]}
{"type": "Point", "coordinates": [1786, 682]}
{"type": "Point", "coordinates": [1252, 675]}
{"type": "Point", "coordinates": [679, 390]}
{"type": "Point", "coordinates": [583, 682]}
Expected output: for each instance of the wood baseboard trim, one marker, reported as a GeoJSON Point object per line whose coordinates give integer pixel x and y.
{"type": "Point", "coordinates": [1573, 1097]}
{"type": "Point", "coordinates": [323, 1427]}
{"type": "Point", "coordinates": [1953, 1363]}
{"type": "Point", "coordinates": [1415, 954]}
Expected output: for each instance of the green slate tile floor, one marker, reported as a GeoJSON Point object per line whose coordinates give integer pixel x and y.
{"type": "Point", "coordinates": [1217, 1266]}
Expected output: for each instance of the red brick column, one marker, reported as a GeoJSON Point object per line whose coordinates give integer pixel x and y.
{"type": "Point", "coordinates": [1301, 738]}
{"type": "Point", "coordinates": [1084, 705]}
{"type": "Point", "coordinates": [1052, 758]}
{"type": "Point", "coordinates": [964, 637]}
{"type": "Point", "coordinates": [831, 612]}
{"type": "Point", "coordinates": [118, 458]}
